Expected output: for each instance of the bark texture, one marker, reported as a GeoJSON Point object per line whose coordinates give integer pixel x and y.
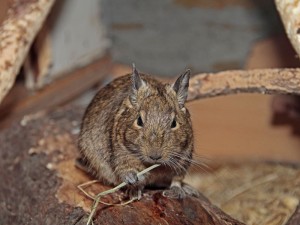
{"type": "Point", "coordinates": [264, 81]}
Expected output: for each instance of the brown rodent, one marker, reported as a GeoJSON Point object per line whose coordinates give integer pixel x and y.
{"type": "Point", "coordinates": [134, 122]}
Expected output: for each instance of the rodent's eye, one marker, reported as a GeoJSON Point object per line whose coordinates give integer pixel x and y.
{"type": "Point", "coordinates": [174, 124]}
{"type": "Point", "coordinates": [139, 122]}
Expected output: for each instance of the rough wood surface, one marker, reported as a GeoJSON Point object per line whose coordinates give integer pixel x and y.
{"type": "Point", "coordinates": [263, 81]}
{"type": "Point", "coordinates": [17, 31]}
{"type": "Point", "coordinates": [39, 179]}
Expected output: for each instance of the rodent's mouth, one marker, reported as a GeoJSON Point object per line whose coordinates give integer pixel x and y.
{"type": "Point", "coordinates": [149, 162]}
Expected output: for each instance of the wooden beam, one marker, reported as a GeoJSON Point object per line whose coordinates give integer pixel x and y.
{"type": "Point", "coordinates": [57, 93]}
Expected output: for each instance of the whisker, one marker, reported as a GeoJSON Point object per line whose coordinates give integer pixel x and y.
{"type": "Point", "coordinates": [199, 164]}
{"type": "Point", "coordinates": [183, 168]}
{"type": "Point", "coordinates": [174, 166]}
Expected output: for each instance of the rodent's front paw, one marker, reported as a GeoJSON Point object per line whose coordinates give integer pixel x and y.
{"type": "Point", "coordinates": [175, 192]}
{"type": "Point", "coordinates": [181, 192]}
{"type": "Point", "coordinates": [136, 184]}
{"type": "Point", "coordinates": [132, 178]}
{"type": "Point", "coordinates": [189, 190]}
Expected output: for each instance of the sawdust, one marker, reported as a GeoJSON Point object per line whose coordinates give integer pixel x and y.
{"type": "Point", "coordinates": [255, 193]}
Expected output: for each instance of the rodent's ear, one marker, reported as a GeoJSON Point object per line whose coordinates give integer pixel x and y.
{"type": "Point", "coordinates": [137, 83]}
{"type": "Point", "coordinates": [181, 86]}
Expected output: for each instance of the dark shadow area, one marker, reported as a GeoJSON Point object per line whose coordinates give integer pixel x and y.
{"type": "Point", "coordinates": [55, 13]}
{"type": "Point", "coordinates": [286, 112]}
{"type": "Point", "coordinates": [266, 10]}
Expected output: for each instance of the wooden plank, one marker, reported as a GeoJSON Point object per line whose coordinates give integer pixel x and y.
{"type": "Point", "coordinates": [57, 93]}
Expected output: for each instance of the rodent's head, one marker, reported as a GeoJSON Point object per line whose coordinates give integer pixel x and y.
{"type": "Point", "coordinates": [156, 126]}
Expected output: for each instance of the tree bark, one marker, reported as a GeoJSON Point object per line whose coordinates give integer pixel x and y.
{"type": "Point", "coordinates": [263, 81]}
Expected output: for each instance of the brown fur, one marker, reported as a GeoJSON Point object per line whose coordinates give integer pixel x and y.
{"type": "Point", "coordinates": [114, 145]}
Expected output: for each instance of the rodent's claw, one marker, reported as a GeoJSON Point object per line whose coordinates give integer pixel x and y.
{"type": "Point", "coordinates": [132, 178]}
{"type": "Point", "coordinates": [134, 193]}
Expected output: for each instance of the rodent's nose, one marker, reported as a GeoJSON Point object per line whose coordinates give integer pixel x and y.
{"type": "Point", "coordinates": [155, 157]}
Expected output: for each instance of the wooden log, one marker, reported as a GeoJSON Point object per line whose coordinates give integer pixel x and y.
{"type": "Point", "coordinates": [39, 179]}
{"type": "Point", "coordinates": [263, 81]}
